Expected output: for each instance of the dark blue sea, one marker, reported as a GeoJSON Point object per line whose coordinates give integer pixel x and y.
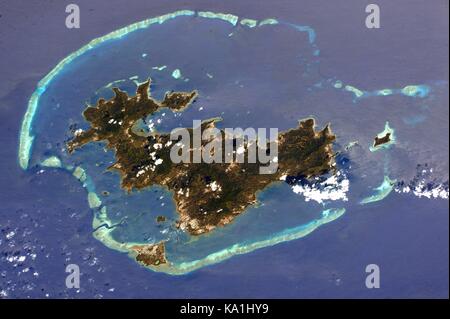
{"type": "Point", "coordinates": [45, 219]}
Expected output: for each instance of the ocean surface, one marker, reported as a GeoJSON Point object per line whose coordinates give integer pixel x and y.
{"type": "Point", "coordinates": [271, 74]}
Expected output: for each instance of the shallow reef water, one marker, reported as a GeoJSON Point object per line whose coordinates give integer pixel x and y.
{"type": "Point", "coordinates": [251, 74]}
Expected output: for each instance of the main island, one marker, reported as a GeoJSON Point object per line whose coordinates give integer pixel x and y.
{"type": "Point", "coordinates": [207, 195]}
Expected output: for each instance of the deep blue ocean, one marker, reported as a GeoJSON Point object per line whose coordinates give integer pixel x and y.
{"type": "Point", "coordinates": [46, 223]}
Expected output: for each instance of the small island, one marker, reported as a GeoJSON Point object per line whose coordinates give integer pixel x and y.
{"type": "Point", "coordinates": [207, 195]}
{"type": "Point", "coordinates": [382, 140]}
{"type": "Point", "coordinates": [160, 219]}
